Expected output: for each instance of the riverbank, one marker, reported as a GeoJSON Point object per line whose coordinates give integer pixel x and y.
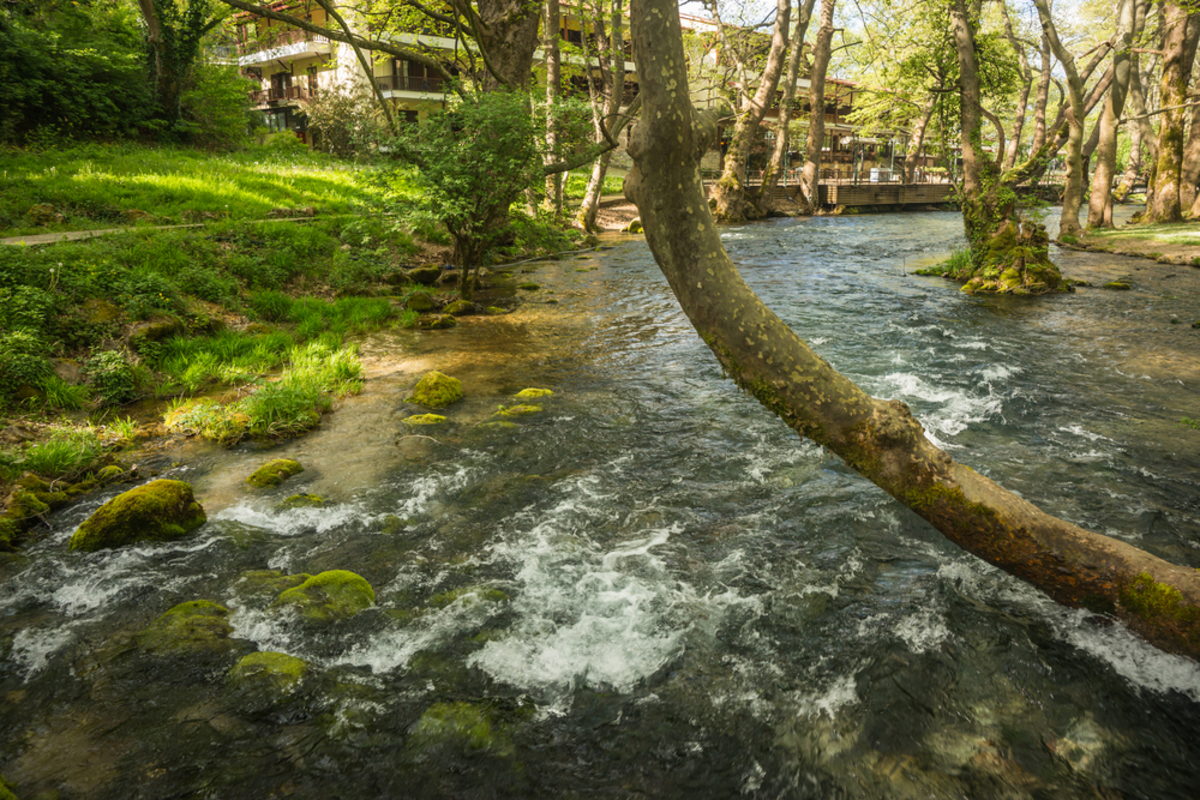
{"type": "Point", "coordinates": [1177, 243]}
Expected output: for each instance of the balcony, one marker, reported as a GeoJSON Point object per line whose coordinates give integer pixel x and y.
{"type": "Point", "coordinates": [408, 83]}
{"type": "Point", "coordinates": [266, 97]}
{"type": "Point", "coordinates": [284, 44]}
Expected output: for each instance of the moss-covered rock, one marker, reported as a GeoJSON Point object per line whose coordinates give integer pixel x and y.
{"type": "Point", "coordinates": [5, 792]}
{"type": "Point", "coordinates": [460, 724]}
{"type": "Point", "coordinates": [634, 226]}
{"type": "Point", "coordinates": [303, 501]}
{"type": "Point", "coordinates": [159, 511]}
{"type": "Point", "coordinates": [436, 322]}
{"type": "Point", "coordinates": [417, 420]}
{"type": "Point", "coordinates": [436, 390]}
{"type": "Point", "coordinates": [529, 287]}
{"type": "Point", "coordinates": [110, 473]}
{"type": "Point", "coordinates": [268, 582]}
{"type": "Point", "coordinates": [461, 308]}
{"type": "Point", "coordinates": [275, 673]}
{"type": "Point", "coordinates": [1120, 286]}
{"type": "Point", "coordinates": [533, 394]}
{"type": "Point", "coordinates": [274, 472]}
{"type": "Point", "coordinates": [496, 426]}
{"type": "Point", "coordinates": [520, 410]}
{"type": "Point", "coordinates": [194, 626]}
{"type": "Point", "coordinates": [426, 276]}
{"type": "Point", "coordinates": [496, 311]}
{"type": "Point", "coordinates": [328, 596]}
{"type": "Point", "coordinates": [420, 302]}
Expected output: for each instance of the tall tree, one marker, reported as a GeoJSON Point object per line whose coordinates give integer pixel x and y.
{"type": "Point", "coordinates": [729, 193]}
{"type": "Point", "coordinates": [777, 162]}
{"type": "Point", "coordinates": [606, 97]}
{"type": "Point", "coordinates": [1100, 201]}
{"type": "Point", "coordinates": [1181, 30]}
{"type": "Point", "coordinates": [879, 439]}
{"type": "Point", "coordinates": [810, 178]}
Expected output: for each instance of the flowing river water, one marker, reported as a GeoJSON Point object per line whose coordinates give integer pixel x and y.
{"type": "Point", "coordinates": [653, 588]}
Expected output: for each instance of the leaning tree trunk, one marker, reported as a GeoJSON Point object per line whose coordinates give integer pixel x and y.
{"type": "Point", "coordinates": [879, 439]}
{"type": "Point", "coordinates": [1179, 51]}
{"type": "Point", "coordinates": [1076, 115]}
{"type": "Point", "coordinates": [810, 178]}
{"type": "Point", "coordinates": [729, 193]}
{"type": "Point", "coordinates": [766, 192]}
{"type": "Point", "coordinates": [1014, 143]}
{"type": "Point", "coordinates": [1101, 201]}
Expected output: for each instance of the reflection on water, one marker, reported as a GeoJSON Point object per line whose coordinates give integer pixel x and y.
{"type": "Point", "coordinates": [652, 587]}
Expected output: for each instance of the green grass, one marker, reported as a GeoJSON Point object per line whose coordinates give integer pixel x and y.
{"type": "Point", "coordinates": [1181, 233]}
{"type": "Point", "coordinates": [93, 186]}
{"type": "Point", "coordinates": [577, 182]}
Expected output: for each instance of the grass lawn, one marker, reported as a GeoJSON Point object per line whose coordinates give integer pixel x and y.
{"type": "Point", "coordinates": [92, 186]}
{"type": "Point", "coordinates": [1182, 233]}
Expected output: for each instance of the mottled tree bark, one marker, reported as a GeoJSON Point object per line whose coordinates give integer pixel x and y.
{"type": "Point", "coordinates": [916, 139]}
{"type": "Point", "coordinates": [1179, 51]}
{"type": "Point", "coordinates": [775, 166]}
{"type": "Point", "coordinates": [810, 178]}
{"type": "Point", "coordinates": [1073, 191]}
{"type": "Point", "coordinates": [729, 193]}
{"type": "Point", "coordinates": [1101, 200]}
{"type": "Point", "coordinates": [1014, 143]}
{"type": "Point", "coordinates": [551, 52]}
{"type": "Point", "coordinates": [879, 439]}
{"type": "Point", "coordinates": [1188, 196]}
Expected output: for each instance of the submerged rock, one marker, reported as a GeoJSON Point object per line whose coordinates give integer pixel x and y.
{"type": "Point", "coordinates": [268, 582]}
{"type": "Point", "coordinates": [328, 596]}
{"type": "Point", "coordinates": [436, 390]}
{"type": "Point", "coordinates": [424, 419]}
{"type": "Point", "coordinates": [461, 308]}
{"type": "Point", "coordinates": [462, 724]}
{"type": "Point", "coordinates": [436, 322]}
{"type": "Point", "coordinates": [519, 410]}
{"type": "Point", "coordinates": [159, 511]}
{"type": "Point", "coordinates": [533, 394]}
{"type": "Point", "coordinates": [276, 673]}
{"type": "Point", "coordinates": [303, 501]}
{"type": "Point", "coordinates": [426, 276]}
{"type": "Point", "coordinates": [1120, 286]}
{"type": "Point", "coordinates": [497, 425]}
{"type": "Point", "coordinates": [274, 472]}
{"type": "Point", "coordinates": [194, 626]}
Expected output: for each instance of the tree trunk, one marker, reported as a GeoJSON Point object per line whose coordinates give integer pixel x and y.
{"type": "Point", "coordinates": [550, 39]}
{"type": "Point", "coordinates": [612, 71]}
{"type": "Point", "coordinates": [1179, 51]}
{"type": "Point", "coordinates": [1043, 99]}
{"type": "Point", "coordinates": [1076, 115]}
{"type": "Point", "coordinates": [1191, 165]}
{"type": "Point", "coordinates": [810, 179]}
{"type": "Point", "coordinates": [509, 37]}
{"type": "Point", "coordinates": [879, 439]}
{"type": "Point", "coordinates": [1100, 202]}
{"type": "Point", "coordinates": [766, 192]}
{"type": "Point", "coordinates": [730, 194]}
{"type": "Point", "coordinates": [916, 139]}
{"type": "Point", "coordinates": [1014, 143]}
{"type": "Point", "coordinates": [1008, 255]}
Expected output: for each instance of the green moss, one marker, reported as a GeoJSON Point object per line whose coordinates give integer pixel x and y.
{"type": "Point", "coordinates": [528, 287]}
{"type": "Point", "coordinates": [1157, 602]}
{"type": "Point", "coordinates": [436, 390]}
{"type": "Point", "coordinates": [533, 394]}
{"type": "Point", "coordinates": [424, 419]}
{"type": "Point", "coordinates": [278, 673]}
{"type": "Point", "coordinates": [470, 594]}
{"type": "Point", "coordinates": [498, 425]}
{"type": "Point", "coordinates": [268, 582]}
{"type": "Point", "coordinates": [5, 792]}
{"type": "Point", "coordinates": [496, 311]}
{"type": "Point", "coordinates": [197, 625]}
{"type": "Point", "coordinates": [336, 594]}
{"type": "Point", "coordinates": [462, 724]}
{"type": "Point", "coordinates": [460, 308]}
{"type": "Point", "coordinates": [519, 410]}
{"type": "Point", "coordinates": [110, 473]}
{"type": "Point", "coordinates": [303, 501]}
{"type": "Point", "coordinates": [159, 511]}
{"type": "Point", "coordinates": [274, 472]}
{"type": "Point", "coordinates": [1120, 286]}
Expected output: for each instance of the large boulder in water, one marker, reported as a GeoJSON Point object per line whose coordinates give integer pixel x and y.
{"type": "Point", "coordinates": [189, 628]}
{"type": "Point", "coordinates": [336, 594]}
{"type": "Point", "coordinates": [159, 511]}
{"type": "Point", "coordinates": [436, 390]}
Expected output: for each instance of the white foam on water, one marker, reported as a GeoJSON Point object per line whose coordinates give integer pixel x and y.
{"type": "Point", "coordinates": [1130, 656]}
{"type": "Point", "coordinates": [957, 408]}
{"type": "Point", "coordinates": [602, 617]}
{"type": "Point", "coordinates": [292, 521]}
{"type": "Point", "coordinates": [923, 631]}
{"type": "Point", "coordinates": [827, 702]}
{"type": "Point", "coordinates": [998, 372]}
{"type": "Point", "coordinates": [32, 647]}
{"type": "Point", "coordinates": [1078, 430]}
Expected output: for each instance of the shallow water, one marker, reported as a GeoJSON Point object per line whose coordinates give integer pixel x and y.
{"type": "Point", "coordinates": [661, 591]}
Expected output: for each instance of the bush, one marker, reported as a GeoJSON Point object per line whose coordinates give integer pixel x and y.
{"type": "Point", "coordinates": [344, 121]}
{"type": "Point", "coordinates": [22, 363]}
{"type": "Point", "coordinates": [112, 377]}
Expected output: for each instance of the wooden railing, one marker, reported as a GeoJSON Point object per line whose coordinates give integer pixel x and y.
{"type": "Point", "coordinates": [281, 39]}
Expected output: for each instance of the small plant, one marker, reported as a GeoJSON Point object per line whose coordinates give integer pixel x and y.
{"type": "Point", "coordinates": [1191, 423]}
{"type": "Point", "coordinates": [112, 377]}
{"type": "Point", "coordinates": [63, 455]}
{"type": "Point", "coordinates": [22, 365]}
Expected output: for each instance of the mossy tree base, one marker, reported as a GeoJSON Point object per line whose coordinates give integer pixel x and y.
{"type": "Point", "coordinates": [1013, 260]}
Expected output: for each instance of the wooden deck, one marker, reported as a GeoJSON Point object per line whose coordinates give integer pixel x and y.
{"type": "Point", "coordinates": [883, 194]}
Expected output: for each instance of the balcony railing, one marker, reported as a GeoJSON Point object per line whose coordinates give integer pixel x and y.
{"type": "Point", "coordinates": [409, 83]}
{"type": "Point", "coordinates": [274, 95]}
{"type": "Point", "coordinates": [280, 39]}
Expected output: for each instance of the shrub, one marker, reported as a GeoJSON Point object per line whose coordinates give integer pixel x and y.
{"type": "Point", "coordinates": [112, 377]}
{"type": "Point", "coordinates": [22, 363]}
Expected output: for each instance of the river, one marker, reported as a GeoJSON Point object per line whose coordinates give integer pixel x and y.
{"type": "Point", "coordinates": [653, 588]}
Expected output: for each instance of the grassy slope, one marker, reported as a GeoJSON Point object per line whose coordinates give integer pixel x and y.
{"type": "Point", "coordinates": [93, 185]}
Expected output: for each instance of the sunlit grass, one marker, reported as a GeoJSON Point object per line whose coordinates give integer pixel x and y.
{"type": "Point", "coordinates": [1182, 233]}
